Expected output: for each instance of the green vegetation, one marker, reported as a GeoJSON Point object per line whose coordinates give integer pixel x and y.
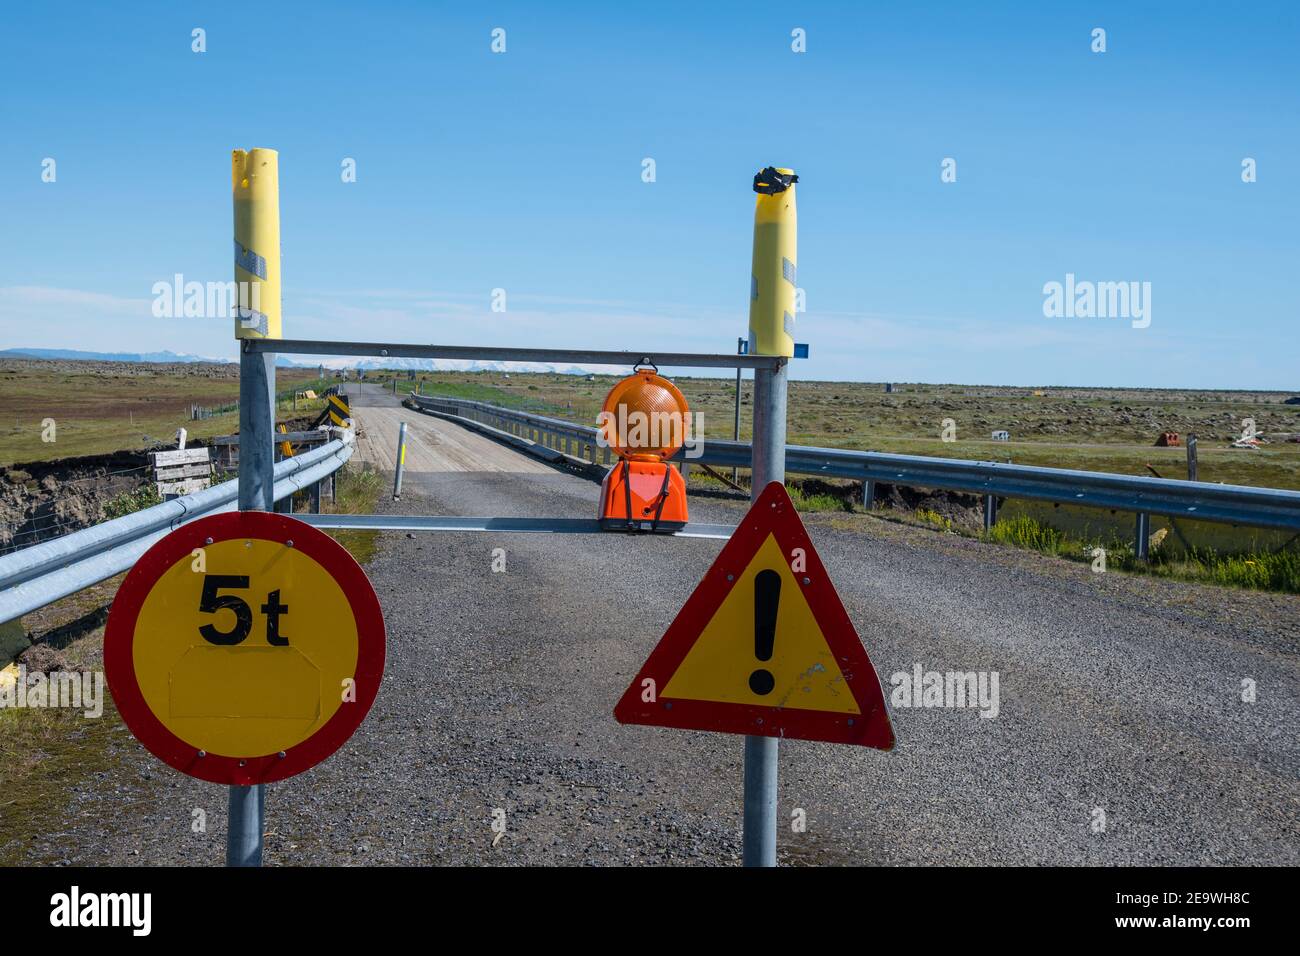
{"type": "Point", "coordinates": [356, 492]}
{"type": "Point", "coordinates": [45, 752]}
{"type": "Point", "coordinates": [100, 407]}
{"type": "Point", "coordinates": [130, 502]}
{"type": "Point", "coordinates": [1024, 532]}
{"type": "Point", "coordinates": [816, 501]}
{"type": "Point", "coordinates": [1273, 570]}
{"type": "Point", "coordinates": [934, 519]}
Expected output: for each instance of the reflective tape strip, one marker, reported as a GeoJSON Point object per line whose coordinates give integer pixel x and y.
{"type": "Point", "coordinates": [250, 261]}
{"type": "Point", "coordinates": [787, 320]}
{"type": "Point", "coordinates": [250, 319]}
{"type": "Point", "coordinates": [788, 271]}
{"type": "Point", "coordinates": [753, 287]}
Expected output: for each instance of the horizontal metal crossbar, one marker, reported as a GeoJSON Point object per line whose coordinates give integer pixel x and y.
{"type": "Point", "coordinates": [504, 525]}
{"type": "Point", "coordinates": [500, 354]}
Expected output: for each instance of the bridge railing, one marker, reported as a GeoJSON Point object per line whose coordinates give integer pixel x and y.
{"type": "Point", "coordinates": [1144, 496]}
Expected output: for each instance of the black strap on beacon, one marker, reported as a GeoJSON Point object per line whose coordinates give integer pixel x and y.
{"type": "Point", "coordinates": [627, 492]}
{"type": "Point", "coordinates": [770, 182]}
{"type": "Point", "coordinates": [663, 497]}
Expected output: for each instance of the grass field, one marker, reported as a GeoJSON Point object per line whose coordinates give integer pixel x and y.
{"type": "Point", "coordinates": [102, 407]}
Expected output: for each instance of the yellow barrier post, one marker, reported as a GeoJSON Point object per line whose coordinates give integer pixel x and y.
{"type": "Point", "coordinates": [255, 181]}
{"type": "Point", "coordinates": [773, 277]}
{"type": "Point", "coordinates": [771, 331]}
{"type": "Point", "coordinates": [255, 176]}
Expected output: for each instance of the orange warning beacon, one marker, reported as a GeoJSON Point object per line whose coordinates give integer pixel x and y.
{"type": "Point", "coordinates": [645, 420]}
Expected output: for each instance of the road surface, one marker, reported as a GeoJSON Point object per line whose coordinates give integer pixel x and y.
{"type": "Point", "coordinates": [1121, 736]}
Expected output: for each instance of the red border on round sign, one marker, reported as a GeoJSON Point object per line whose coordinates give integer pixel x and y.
{"type": "Point", "coordinates": [119, 638]}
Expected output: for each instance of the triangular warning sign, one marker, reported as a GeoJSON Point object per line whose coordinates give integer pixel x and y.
{"type": "Point", "coordinates": [763, 646]}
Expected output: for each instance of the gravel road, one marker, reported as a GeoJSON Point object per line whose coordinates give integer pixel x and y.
{"type": "Point", "coordinates": [1120, 704]}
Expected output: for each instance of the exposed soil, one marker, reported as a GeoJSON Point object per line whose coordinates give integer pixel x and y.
{"type": "Point", "coordinates": [41, 500]}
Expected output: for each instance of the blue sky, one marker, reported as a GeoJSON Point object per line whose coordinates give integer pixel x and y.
{"type": "Point", "coordinates": [522, 171]}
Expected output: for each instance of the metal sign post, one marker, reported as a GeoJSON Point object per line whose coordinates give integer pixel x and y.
{"type": "Point", "coordinates": [761, 752]}
{"type": "Point", "coordinates": [771, 328]}
{"type": "Point", "coordinates": [255, 177]}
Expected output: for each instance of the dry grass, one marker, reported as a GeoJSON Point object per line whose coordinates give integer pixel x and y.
{"type": "Point", "coordinates": [102, 407]}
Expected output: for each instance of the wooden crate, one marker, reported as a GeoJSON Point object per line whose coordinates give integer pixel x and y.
{"type": "Point", "coordinates": [182, 472]}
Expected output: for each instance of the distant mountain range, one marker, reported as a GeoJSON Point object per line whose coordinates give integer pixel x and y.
{"type": "Point", "coordinates": [402, 364]}
{"type": "Point", "coordinates": [76, 355]}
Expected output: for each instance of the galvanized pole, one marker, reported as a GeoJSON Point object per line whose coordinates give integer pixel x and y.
{"type": "Point", "coordinates": [735, 429]}
{"type": "Point", "coordinates": [1191, 458]}
{"type": "Point", "coordinates": [771, 324]}
{"type": "Point", "coordinates": [256, 184]}
{"type": "Point", "coordinates": [244, 830]}
{"type": "Point", "coordinates": [768, 465]}
{"type": "Point", "coordinates": [401, 461]}
{"type": "Point", "coordinates": [256, 493]}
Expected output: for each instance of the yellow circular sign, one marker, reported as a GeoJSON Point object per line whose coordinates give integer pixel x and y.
{"type": "Point", "coordinates": [244, 645]}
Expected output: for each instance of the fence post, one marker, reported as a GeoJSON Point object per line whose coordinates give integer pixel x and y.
{"type": "Point", "coordinates": [1142, 537]}
{"type": "Point", "coordinates": [401, 461]}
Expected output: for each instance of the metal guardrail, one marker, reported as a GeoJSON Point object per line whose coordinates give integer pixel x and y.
{"type": "Point", "coordinates": [45, 572]}
{"type": "Point", "coordinates": [1233, 504]}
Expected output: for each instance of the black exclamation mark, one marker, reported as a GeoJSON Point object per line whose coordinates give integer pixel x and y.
{"type": "Point", "coordinates": [767, 595]}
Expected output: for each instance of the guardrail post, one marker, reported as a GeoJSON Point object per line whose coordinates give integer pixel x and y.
{"type": "Point", "coordinates": [1191, 458]}
{"type": "Point", "coordinates": [315, 497]}
{"type": "Point", "coordinates": [869, 494]}
{"type": "Point", "coordinates": [990, 511]}
{"type": "Point", "coordinates": [401, 461]}
{"type": "Point", "coordinates": [1142, 537]}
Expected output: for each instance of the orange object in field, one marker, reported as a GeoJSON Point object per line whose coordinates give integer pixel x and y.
{"type": "Point", "coordinates": [645, 419]}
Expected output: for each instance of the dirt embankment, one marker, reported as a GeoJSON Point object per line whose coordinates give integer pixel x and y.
{"type": "Point", "coordinates": [41, 500]}
{"type": "Point", "coordinates": [44, 499]}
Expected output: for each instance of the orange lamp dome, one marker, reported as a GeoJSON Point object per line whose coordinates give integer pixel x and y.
{"type": "Point", "coordinates": [645, 417]}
